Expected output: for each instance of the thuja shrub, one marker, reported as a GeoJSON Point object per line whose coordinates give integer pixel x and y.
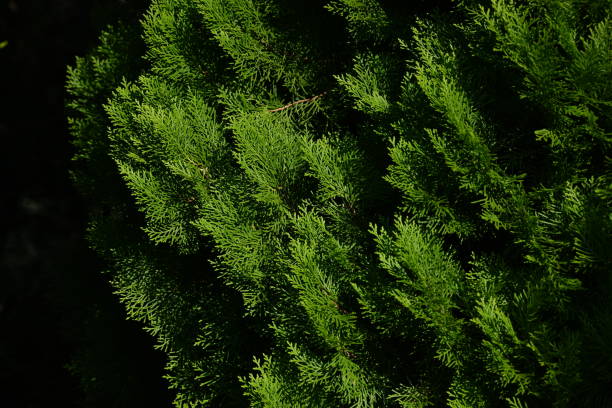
{"type": "Point", "coordinates": [358, 203]}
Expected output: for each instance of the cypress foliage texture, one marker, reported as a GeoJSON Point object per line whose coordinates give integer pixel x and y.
{"type": "Point", "coordinates": [358, 203]}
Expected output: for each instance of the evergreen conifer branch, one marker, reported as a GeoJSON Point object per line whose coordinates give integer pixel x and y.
{"type": "Point", "coordinates": [436, 234]}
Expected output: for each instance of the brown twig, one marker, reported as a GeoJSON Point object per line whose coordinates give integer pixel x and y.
{"type": "Point", "coordinates": [348, 353]}
{"type": "Point", "coordinates": [203, 169]}
{"type": "Point", "coordinates": [340, 308]}
{"type": "Point", "coordinates": [287, 106]}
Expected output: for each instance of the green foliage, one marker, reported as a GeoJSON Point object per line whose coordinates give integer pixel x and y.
{"type": "Point", "coordinates": [358, 203]}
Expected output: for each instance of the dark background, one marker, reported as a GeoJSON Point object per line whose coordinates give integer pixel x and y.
{"type": "Point", "coordinates": [64, 340]}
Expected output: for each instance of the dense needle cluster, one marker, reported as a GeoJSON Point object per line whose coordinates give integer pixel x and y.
{"type": "Point", "coordinates": [358, 203]}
